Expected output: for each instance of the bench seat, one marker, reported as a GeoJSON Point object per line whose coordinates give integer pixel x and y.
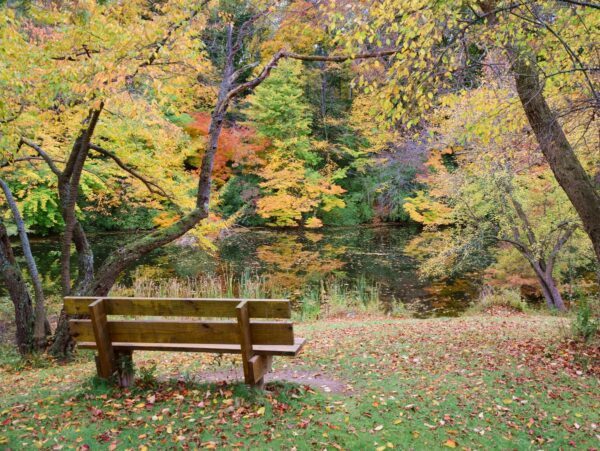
{"type": "Point", "coordinates": [115, 327]}
{"type": "Point", "coordinates": [283, 350]}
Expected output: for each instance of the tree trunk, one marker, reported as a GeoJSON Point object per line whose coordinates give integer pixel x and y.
{"type": "Point", "coordinates": [557, 150]}
{"type": "Point", "coordinates": [41, 326]}
{"type": "Point", "coordinates": [19, 294]}
{"type": "Point", "coordinates": [551, 292]}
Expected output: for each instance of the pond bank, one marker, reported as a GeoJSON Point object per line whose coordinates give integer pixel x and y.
{"type": "Point", "coordinates": [294, 261]}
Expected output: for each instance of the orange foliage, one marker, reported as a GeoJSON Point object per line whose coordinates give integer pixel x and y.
{"type": "Point", "coordinates": [237, 145]}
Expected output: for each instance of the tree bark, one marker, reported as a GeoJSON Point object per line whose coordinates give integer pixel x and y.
{"type": "Point", "coordinates": [19, 294]}
{"type": "Point", "coordinates": [68, 184]}
{"type": "Point", "coordinates": [551, 292]}
{"type": "Point", "coordinates": [557, 150]}
{"type": "Point", "coordinates": [40, 330]}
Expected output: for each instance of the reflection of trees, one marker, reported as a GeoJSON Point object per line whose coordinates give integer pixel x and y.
{"type": "Point", "coordinates": [291, 264]}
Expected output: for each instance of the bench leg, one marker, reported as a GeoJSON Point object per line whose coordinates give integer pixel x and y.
{"type": "Point", "coordinates": [105, 360]}
{"type": "Point", "coordinates": [125, 368]}
{"type": "Point", "coordinates": [255, 366]}
{"type": "Point", "coordinates": [259, 366]}
{"type": "Point", "coordinates": [265, 367]}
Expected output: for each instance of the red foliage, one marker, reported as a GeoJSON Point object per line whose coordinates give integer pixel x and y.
{"type": "Point", "coordinates": [237, 145]}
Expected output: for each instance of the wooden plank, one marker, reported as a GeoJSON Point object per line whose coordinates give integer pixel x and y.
{"type": "Point", "coordinates": [186, 331]}
{"type": "Point", "coordinates": [283, 350]}
{"type": "Point", "coordinates": [261, 365]}
{"type": "Point", "coordinates": [106, 356]}
{"type": "Point", "coordinates": [245, 340]}
{"type": "Point", "coordinates": [185, 307]}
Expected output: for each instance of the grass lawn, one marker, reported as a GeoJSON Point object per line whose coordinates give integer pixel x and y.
{"type": "Point", "coordinates": [467, 383]}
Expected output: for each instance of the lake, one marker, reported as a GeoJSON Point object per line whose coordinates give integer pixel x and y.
{"type": "Point", "coordinates": [294, 260]}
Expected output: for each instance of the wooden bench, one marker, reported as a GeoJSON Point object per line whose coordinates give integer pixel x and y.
{"type": "Point", "coordinates": [260, 330]}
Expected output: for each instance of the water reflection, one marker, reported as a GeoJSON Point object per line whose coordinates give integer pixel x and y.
{"type": "Point", "coordinates": [293, 260]}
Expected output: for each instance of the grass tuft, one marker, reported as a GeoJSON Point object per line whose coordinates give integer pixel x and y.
{"type": "Point", "coordinates": [494, 300]}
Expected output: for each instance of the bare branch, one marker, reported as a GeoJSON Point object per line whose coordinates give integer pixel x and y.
{"type": "Point", "coordinates": [245, 29]}
{"type": "Point", "coordinates": [249, 85]}
{"type": "Point", "coordinates": [578, 3]}
{"type": "Point", "coordinates": [159, 45]}
{"type": "Point", "coordinates": [40, 309]}
{"type": "Point", "coordinates": [152, 186]}
{"type": "Point", "coordinates": [80, 148]}
{"type": "Point", "coordinates": [574, 57]}
{"type": "Point", "coordinates": [558, 246]}
{"type": "Point", "coordinates": [14, 116]}
{"type": "Point", "coordinates": [519, 245]}
{"type": "Point", "coordinates": [75, 56]}
{"type": "Point", "coordinates": [42, 154]}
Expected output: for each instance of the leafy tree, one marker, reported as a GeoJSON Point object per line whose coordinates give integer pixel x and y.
{"type": "Point", "coordinates": [548, 48]}
{"type": "Point", "coordinates": [294, 185]}
{"type": "Point", "coordinates": [92, 88]}
{"type": "Point", "coordinates": [492, 188]}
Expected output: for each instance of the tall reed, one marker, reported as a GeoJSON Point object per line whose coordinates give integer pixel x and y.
{"type": "Point", "coordinates": [332, 297]}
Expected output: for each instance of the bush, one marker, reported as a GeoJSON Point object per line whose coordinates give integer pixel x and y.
{"type": "Point", "coordinates": [398, 309]}
{"type": "Point", "coordinates": [586, 323]}
{"type": "Point", "coordinates": [334, 298]}
{"type": "Point", "coordinates": [503, 298]}
{"type": "Point", "coordinates": [148, 375]}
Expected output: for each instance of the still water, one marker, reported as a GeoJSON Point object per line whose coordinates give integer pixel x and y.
{"type": "Point", "coordinates": [294, 260]}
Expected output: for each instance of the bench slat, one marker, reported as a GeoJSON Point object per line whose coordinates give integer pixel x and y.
{"type": "Point", "coordinates": [283, 350]}
{"type": "Point", "coordinates": [191, 307]}
{"type": "Point", "coordinates": [205, 332]}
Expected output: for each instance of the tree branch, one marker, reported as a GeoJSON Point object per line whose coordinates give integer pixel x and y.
{"type": "Point", "coordinates": [74, 57]}
{"type": "Point", "coordinates": [14, 116]}
{"type": "Point", "coordinates": [249, 85]}
{"type": "Point", "coordinates": [519, 245]}
{"type": "Point", "coordinates": [559, 244]}
{"type": "Point", "coordinates": [40, 309]}
{"type": "Point", "coordinates": [578, 3]}
{"type": "Point", "coordinates": [49, 161]}
{"type": "Point", "coordinates": [159, 45]}
{"type": "Point", "coordinates": [152, 186]}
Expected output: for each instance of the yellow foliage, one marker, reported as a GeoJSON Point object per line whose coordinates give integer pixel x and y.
{"type": "Point", "coordinates": [424, 209]}
{"type": "Point", "coordinates": [313, 223]}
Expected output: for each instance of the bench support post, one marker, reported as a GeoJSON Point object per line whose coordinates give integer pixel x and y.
{"type": "Point", "coordinates": [125, 370]}
{"type": "Point", "coordinates": [243, 318]}
{"type": "Point", "coordinates": [255, 366]}
{"type": "Point", "coordinates": [105, 361]}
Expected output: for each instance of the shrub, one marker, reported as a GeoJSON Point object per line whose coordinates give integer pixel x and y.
{"type": "Point", "coordinates": [336, 298]}
{"type": "Point", "coordinates": [398, 309]}
{"type": "Point", "coordinates": [147, 375]}
{"type": "Point", "coordinates": [503, 298]}
{"type": "Point", "coordinates": [585, 324]}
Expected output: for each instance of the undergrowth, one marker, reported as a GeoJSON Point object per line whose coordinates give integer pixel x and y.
{"type": "Point", "coordinates": [329, 298]}
{"type": "Point", "coordinates": [490, 299]}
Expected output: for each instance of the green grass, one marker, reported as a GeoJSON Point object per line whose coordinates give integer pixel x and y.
{"type": "Point", "coordinates": [476, 382]}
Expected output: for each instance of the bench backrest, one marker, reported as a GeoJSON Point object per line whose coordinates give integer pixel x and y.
{"type": "Point", "coordinates": [268, 320]}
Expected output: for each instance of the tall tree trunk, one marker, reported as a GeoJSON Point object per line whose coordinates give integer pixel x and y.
{"type": "Point", "coordinates": [549, 289]}
{"type": "Point", "coordinates": [19, 294]}
{"type": "Point", "coordinates": [68, 187]}
{"type": "Point", "coordinates": [556, 148]}
{"type": "Point", "coordinates": [41, 326]}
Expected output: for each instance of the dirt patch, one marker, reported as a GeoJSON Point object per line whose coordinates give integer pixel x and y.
{"type": "Point", "coordinates": [314, 379]}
